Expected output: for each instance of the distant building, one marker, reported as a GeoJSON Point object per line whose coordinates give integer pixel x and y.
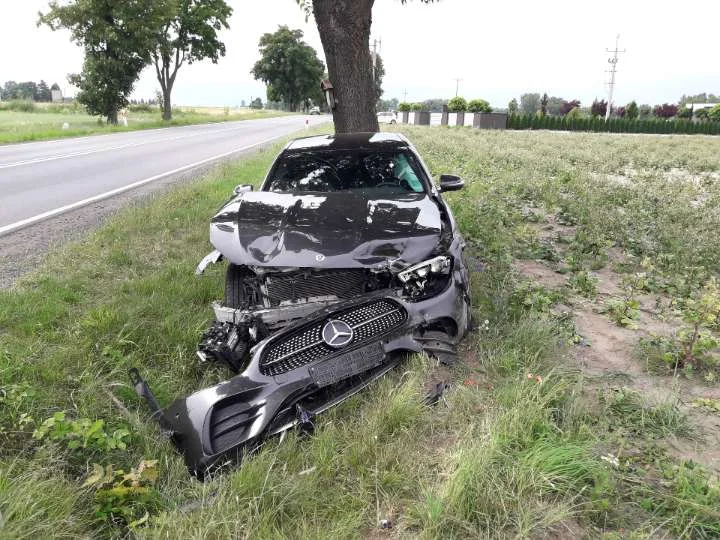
{"type": "Point", "coordinates": [56, 95]}
{"type": "Point", "coordinates": [698, 106]}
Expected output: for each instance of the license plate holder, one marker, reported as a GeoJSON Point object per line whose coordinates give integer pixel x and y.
{"type": "Point", "coordinates": [348, 364]}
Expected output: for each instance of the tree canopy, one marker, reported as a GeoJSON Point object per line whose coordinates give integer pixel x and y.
{"type": "Point", "coordinates": [188, 32]}
{"type": "Point", "coordinates": [117, 38]}
{"type": "Point", "coordinates": [289, 67]}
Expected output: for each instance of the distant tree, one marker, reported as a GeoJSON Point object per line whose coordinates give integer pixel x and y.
{"type": "Point", "coordinates": [513, 106]}
{"type": "Point", "coordinates": [9, 91]}
{"type": "Point", "coordinates": [117, 38]}
{"type": "Point", "coordinates": [699, 98]}
{"type": "Point", "coordinates": [417, 107]}
{"type": "Point", "coordinates": [55, 86]}
{"type": "Point", "coordinates": [26, 90]}
{"type": "Point", "coordinates": [43, 92]}
{"type": "Point", "coordinates": [404, 106]}
{"type": "Point", "coordinates": [256, 103]}
{"type": "Point", "coordinates": [457, 104]}
{"type": "Point", "coordinates": [242, 102]}
{"type": "Point", "coordinates": [543, 104]}
{"type": "Point", "coordinates": [598, 108]}
{"type": "Point", "coordinates": [620, 112]}
{"type": "Point", "coordinates": [479, 105]}
{"type": "Point", "coordinates": [666, 110]}
{"type": "Point", "coordinates": [685, 112]}
{"type": "Point", "coordinates": [530, 103]}
{"type": "Point", "coordinates": [434, 104]}
{"type": "Point", "coordinates": [388, 104]}
{"type": "Point", "coordinates": [378, 75]}
{"type": "Point", "coordinates": [554, 105]}
{"type": "Point", "coordinates": [289, 66]}
{"type": "Point", "coordinates": [187, 32]}
{"type": "Point", "coordinates": [644, 111]}
{"type": "Point", "coordinates": [568, 106]}
{"type": "Point", "coordinates": [631, 110]}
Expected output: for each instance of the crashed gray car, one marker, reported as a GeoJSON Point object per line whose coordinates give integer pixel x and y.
{"type": "Point", "coordinates": [345, 257]}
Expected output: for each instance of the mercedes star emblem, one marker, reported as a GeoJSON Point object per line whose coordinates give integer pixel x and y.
{"type": "Point", "coordinates": [337, 333]}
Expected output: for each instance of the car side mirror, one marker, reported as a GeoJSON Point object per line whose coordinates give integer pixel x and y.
{"type": "Point", "coordinates": [242, 188]}
{"type": "Point", "coordinates": [450, 182]}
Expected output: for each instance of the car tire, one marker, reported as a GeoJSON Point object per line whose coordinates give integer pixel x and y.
{"type": "Point", "coordinates": [392, 121]}
{"type": "Point", "coordinates": [235, 296]}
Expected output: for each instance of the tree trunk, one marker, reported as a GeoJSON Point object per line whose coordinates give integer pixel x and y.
{"type": "Point", "coordinates": [167, 105]}
{"type": "Point", "coordinates": [113, 118]}
{"type": "Point", "coordinates": [344, 27]}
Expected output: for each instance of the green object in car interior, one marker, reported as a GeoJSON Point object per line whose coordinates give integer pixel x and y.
{"type": "Point", "coordinates": [404, 171]}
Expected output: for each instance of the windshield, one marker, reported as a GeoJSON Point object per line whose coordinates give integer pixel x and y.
{"type": "Point", "coordinates": [346, 170]}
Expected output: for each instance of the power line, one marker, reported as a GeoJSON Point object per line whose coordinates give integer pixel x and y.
{"type": "Point", "coordinates": [613, 62]}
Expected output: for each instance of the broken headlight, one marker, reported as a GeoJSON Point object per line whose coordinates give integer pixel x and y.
{"type": "Point", "coordinates": [427, 278]}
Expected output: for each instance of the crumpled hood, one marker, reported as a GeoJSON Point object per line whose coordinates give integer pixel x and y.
{"type": "Point", "coordinates": [330, 230]}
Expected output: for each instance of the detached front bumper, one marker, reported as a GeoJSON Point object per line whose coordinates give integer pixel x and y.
{"type": "Point", "coordinates": [294, 374]}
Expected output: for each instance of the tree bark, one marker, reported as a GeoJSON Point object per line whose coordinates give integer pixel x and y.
{"type": "Point", "coordinates": [167, 105]}
{"type": "Point", "coordinates": [344, 27]}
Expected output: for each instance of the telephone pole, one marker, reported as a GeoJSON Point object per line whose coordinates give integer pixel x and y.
{"type": "Point", "coordinates": [405, 96]}
{"type": "Point", "coordinates": [457, 85]}
{"type": "Point", "coordinates": [377, 43]}
{"type": "Point", "coordinates": [613, 62]}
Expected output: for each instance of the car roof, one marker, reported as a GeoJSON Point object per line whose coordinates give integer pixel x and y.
{"type": "Point", "coordinates": [350, 141]}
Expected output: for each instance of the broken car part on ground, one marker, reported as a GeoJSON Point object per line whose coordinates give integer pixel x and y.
{"type": "Point", "coordinates": [346, 256]}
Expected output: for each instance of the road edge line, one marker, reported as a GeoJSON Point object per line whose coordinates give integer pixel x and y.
{"type": "Point", "coordinates": [61, 210]}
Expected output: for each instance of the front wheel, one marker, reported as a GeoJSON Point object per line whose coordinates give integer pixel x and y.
{"type": "Point", "coordinates": [392, 121]}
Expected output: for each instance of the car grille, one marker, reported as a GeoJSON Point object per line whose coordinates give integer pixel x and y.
{"type": "Point", "coordinates": [342, 284]}
{"type": "Point", "coordinates": [368, 321]}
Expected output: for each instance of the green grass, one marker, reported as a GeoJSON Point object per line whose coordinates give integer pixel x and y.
{"type": "Point", "coordinates": [43, 124]}
{"type": "Point", "coordinates": [514, 451]}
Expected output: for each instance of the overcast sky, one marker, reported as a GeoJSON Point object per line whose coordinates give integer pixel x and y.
{"type": "Point", "coordinates": [499, 49]}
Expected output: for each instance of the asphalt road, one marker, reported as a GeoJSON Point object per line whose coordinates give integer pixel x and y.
{"type": "Point", "coordinates": [41, 180]}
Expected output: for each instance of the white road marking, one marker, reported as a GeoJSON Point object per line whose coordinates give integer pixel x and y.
{"type": "Point", "coordinates": [109, 148]}
{"type": "Point", "coordinates": [50, 213]}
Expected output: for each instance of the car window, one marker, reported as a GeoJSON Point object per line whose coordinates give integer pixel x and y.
{"type": "Point", "coordinates": [394, 171]}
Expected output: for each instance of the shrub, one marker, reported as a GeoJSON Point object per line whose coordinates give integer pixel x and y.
{"type": "Point", "coordinates": [685, 112]}
{"type": "Point", "coordinates": [598, 108]}
{"type": "Point", "coordinates": [568, 106]}
{"type": "Point", "coordinates": [631, 110]}
{"type": "Point", "coordinates": [141, 107]}
{"type": "Point", "coordinates": [82, 433]}
{"type": "Point", "coordinates": [404, 106]}
{"type": "Point", "coordinates": [19, 105]}
{"type": "Point", "coordinates": [417, 107]}
{"type": "Point", "coordinates": [714, 113]}
{"type": "Point", "coordinates": [479, 105]}
{"type": "Point", "coordinates": [457, 104]}
{"type": "Point", "coordinates": [666, 110]}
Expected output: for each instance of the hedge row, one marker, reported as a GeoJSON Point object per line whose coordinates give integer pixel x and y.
{"type": "Point", "coordinates": [613, 125]}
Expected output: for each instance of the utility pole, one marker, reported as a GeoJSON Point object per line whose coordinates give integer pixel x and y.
{"type": "Point", "coordinates": [405, 96]}
{"type": "Point", "coordinates": [613, 62]}
{"type": "Point", "coordinates": [457, 85]}
{"type": "Point", "coordinates": [377, 44]}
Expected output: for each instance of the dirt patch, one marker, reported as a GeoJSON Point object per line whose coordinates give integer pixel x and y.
{"type": "Point", "coordinates": [610, 347]}
{"type": "Point", "coordinates": [541, 273]}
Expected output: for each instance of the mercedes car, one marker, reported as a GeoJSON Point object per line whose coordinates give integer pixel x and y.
{"type": "Point", "coordinates": [343, 261]}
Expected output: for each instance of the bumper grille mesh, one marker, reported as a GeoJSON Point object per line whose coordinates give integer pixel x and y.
{"type": "Point", "coordinates": [368, 321]}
